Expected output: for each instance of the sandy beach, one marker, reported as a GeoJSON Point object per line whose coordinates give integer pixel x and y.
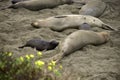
{"type": "Point", "coordinates": [90, 63]}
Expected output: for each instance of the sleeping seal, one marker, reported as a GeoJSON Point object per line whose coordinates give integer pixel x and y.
{"type": "Point", "coordinates": [62, 22]}
{"type": "Point", "coordinates": [38, 4]}
{"type": "Point", "coordinates": [93, 7]}
{"type": "Point", "coordinates": [41, 44]}
{"type": "Point", "coordinates": [78, 40]}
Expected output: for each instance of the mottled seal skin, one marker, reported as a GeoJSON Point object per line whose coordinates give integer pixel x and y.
{"type": "Point", "coordinates": [93, 7]}
{"type": "Point", "coordinates": [80, 39]}
{"type": "Point", "coordinates": [41, 44]}
{"type": "Point", "coordinates": [35, 5]}
{"type": "Point", "coordinates": [62, 22]}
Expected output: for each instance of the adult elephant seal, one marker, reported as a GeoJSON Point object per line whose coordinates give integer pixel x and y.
{"type": "Point", "coordinates": [38, 4]}
{"type": "Point", "coordinates": [93, 7]}
{"type": "Point", "coordinates": [62, 22]}
{"type": "Point", "coordinates": [78, 40]}
{"type": "Point", "coordinates": [41, 45]}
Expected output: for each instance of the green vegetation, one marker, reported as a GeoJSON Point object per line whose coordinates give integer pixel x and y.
{"type": "Point", "coordinates": [28, 67]}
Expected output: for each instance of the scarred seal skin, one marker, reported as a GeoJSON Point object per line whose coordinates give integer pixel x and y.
{"type": "Point", "coordinates": [79, 39]}
{"type": "Point", "coordinates": [93, 7]}
{"type": "Point", "coordinates": [62, 22]}
{"type": "Point", "coordinates": [41, 45]}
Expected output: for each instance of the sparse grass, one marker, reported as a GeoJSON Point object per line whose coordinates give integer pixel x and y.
{"type": "Point", "coordinates": [28, 67]}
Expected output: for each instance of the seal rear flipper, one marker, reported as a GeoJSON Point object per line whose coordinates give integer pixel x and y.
{"type": "Point", "coordinates": [108, 27]}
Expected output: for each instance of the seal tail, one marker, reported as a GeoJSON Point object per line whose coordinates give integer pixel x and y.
{"type": "Point", "coordinates": [108, 27]}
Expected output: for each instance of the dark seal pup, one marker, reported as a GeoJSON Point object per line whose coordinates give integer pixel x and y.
{"type": "Point", "coordinates": [41, 44]}
{"type": "Point", "coordinates": [35, 5]}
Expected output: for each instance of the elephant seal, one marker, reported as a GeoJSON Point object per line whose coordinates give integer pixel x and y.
{"type": "Point", "coordinates": [80, 39]}
{"type": "Point", "coordinates": [41, 44]}
{"type": "Point", "coordinates": [38, 4]}
{"type": "Point", "coordinates": [62, 22]}
{"type": "Point", "coordinates": [93, 7]}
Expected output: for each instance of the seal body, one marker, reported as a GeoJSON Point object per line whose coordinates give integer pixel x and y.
{"type": "Point", "coordinates": [80, 39]}
{"type": "Point", "coordinates": [38, 4]}
{"type": "Point", "coordinates": [93, 7]}
{"type": "Point", "coordinates": [62, 22]}
{"type": "Point", "coordinates": [41, 44]}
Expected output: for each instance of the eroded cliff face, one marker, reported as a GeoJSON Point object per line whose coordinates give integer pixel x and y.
{"type": "Point", "coordinates": [90, 63]}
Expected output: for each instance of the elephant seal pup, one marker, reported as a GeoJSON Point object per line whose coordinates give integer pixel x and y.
{"type": "Point", "coordinates": [38, 4]}
{"type": "Point", "coordinates": [93, 7]}
{"type": "Point", "coordinates": [41, 44]}
{"type": "Point", "coordinates": [62, 22]}
{"type": "Point", "coordinates": [80, 39]}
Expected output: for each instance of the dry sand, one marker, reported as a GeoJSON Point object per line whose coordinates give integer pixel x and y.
{"type": "Point", "coordinates": [91, 63]}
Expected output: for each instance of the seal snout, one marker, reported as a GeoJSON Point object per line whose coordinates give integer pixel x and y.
{"type": "Point", "coordinates": [54, 43]}
{"type": "Point", "coordinates": [35, 24]}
